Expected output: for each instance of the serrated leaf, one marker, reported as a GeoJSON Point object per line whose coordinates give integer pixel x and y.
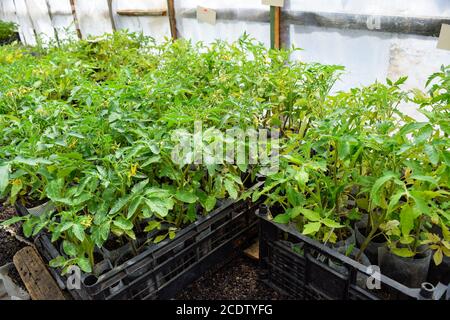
{"type": "Point", "coordinates": [406, 219]}
{"type": "Point", "coordinates": [331, 223]}
{"type": "Point", "coordinates": [152, 225]}
{"type": "Point", "coordinates": [210, 203]}
{"type": "Point", "coordinates": [186, 196]}
{"type": "Point", "coordinates": [119, 204]}
{"type": "Point", "coordinates": [402, 252]}
{"type": "Point", "coordinates": [84, 264]}
{"type": "Point", "coordinates": [139, 187]}
{"type": "Point", "coordinates": [282, 218]}
{"type": "Point", "coordinates": [134, 205]}
{"type": "Point", "coordinates": [12, 220]}
{"type": "Point", "coordinates": [311, 227]}
{"type": "Point", "coordinates": [160, 238]}
{"type": "Point", "coordinates": [69, 248]}
{"type": "Point", "coordinates": [437, 257]}
{"type": "Point", "coordinates": [123, 223]}
{"type": "Point", "coordinates": [78, 231]}
{"type": "Point", "coordinates": [231, 189]}
{"type": "Point", "coordinates": [104, 230]}
{"type": "Point", "coordinates": [4, 177]}
{"type": "Point", "coordinates": [310, 215]}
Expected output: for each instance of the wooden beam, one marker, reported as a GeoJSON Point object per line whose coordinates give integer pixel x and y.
{"type": "Point", "coordinates": [35, 275]}
{"type": "Point", "coordinates": [172, 20]}
{"type": "Point", "coordinates": [425, 26]}
{"type": "Point", "coordinates": [142, 13]}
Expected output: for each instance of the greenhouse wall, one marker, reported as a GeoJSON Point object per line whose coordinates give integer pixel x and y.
{"type": "Point", "coordinates": [368, 54]}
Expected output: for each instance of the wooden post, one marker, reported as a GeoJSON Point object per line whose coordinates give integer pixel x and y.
{"type": "Point", "coordinates": [172, 20]}
{"type": "Point", "coordinates": [75, 19]}
{"type": "Point", "coordinates": [275, 14]}
{"type": "Point", "coordinates": [111, 15]}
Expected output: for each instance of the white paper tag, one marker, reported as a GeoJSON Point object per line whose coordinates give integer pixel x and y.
{"type": "Point", "coordinates": [444, 37]}
{"type": "Point", "coordinates": [206, 15]}
{"type": "Point", "coordinates": [275, 3]}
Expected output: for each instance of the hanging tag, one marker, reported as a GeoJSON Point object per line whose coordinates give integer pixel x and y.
{"type": "Point", "coordinates": [206, 15]}
{"type": "Point", "coordinates": [274, 3]}
{"type": "Point", "coordinates": [444, 37]}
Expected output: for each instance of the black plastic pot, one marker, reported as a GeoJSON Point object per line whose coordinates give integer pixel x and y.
{"type": "Point", "coordinates": [361, 279]}
{"type": "Point", "coordinates": [351, 240]}
{"type": "Point", "coordinates": [411, 272]}
{"type": "Point", "coordinates": [440, 273]}
{"type": "Point", "coordinates": [371, 250]}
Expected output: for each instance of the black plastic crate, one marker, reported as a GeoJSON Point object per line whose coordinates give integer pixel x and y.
{"type": "Point", "coordinates": [162, 270]}
{"type": "Point", "coordinates": [301, 268]}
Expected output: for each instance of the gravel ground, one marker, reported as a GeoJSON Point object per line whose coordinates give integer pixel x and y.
{"type": "Point", "coordinates": [237, 280]}
{"type": "Point", "coordinates": [8, 244]}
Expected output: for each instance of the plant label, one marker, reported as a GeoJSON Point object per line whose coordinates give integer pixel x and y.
{"type": "Point", "coordinates": [274, 3]}
{"type": "Point", "coordinates": [444, 37]}
{"type": "Point", "coordinates": [206, 15]}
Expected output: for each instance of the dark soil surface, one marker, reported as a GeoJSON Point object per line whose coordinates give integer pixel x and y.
{"type": "Point", "coordinates": [238, 280]}
{"type": "Point", "coordinates": [10, 245]}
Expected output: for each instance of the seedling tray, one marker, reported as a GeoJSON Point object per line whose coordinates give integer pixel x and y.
{"type": "Point", "coordinates": [302, 268]}
{"type": "Point", "coordinates": [163, 269]}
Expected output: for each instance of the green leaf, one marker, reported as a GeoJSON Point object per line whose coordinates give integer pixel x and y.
{"type": "Point", "coordinates": [375, 193]}
{"type": "Point", "coordinates": [160, 206]}
{"type": "Point", "coordinates": [231, 188]}
{"type": "Point", "coordinates": [104, 230]}
{"type": "Point", "coordinates": [134, 205]}
{"type": "Point", "coordinates": [78, 231]}
{"type": "Point", "coordinates": [12, 220]}
{"type": "Point", "coordinates": [311, 227]}
{"type": "Point", "coordinates": [69, 248]}
{"type": "Point", "coordinates": [123, 223]}
{"type": "Point", "coordinates": [395, 199]}
{"type": "Point", "coordinates": [309, 214]}
{"type": "Point", "coordinates": [4, 177]}
{"type": "Point", "coordinates": [84, 264]}
{"type": "Point", "coordinates": [406, 219]}
{"type": "Point", "coordinates": [402, 252]}
{"type": "Point", "coordinates": [437, 257]}
{"type": "Point", "coordinates": [331, 223]}
{"type": "Point", "coordinates": [421, 202]}
{"type": "Point", "coordinates": [119, 204]}
{"type": "Point", "coordinates": [139, 187]}
{"type": "Point", "coordinates": [57, 262]}
{"type": "Point", "coordinates": [210, 203]}
{"type": "Point", "coordinates": [152, 225]}
{"type": "Point", "coordinates": [160, 238]}
{"type": "Point", "coordinates": [432, 153]}
{"type": "Point", "coordinates": [28, 227]}
{"type": "Point", "coordinates": [282, 218]}
{"type": "Point", "coordinates": [186, 196]}
{"type": "Point", "coordinates": [302, 177]}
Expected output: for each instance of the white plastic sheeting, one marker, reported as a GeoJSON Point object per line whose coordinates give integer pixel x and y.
{"type": "Point", "coordinates": [38, 12]}
{"type": "Point", "coordinates": [62, 19]}
{"type": "Point", "coordinates": [156, 27]}
{"type": "Point", "coordinates": [93, 17]}
{"type": "Point", "coordinates": [225, 30]}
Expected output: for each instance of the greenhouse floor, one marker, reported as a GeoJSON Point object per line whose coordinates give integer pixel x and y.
{"type": "Point", "coordinates": [238, 280]}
